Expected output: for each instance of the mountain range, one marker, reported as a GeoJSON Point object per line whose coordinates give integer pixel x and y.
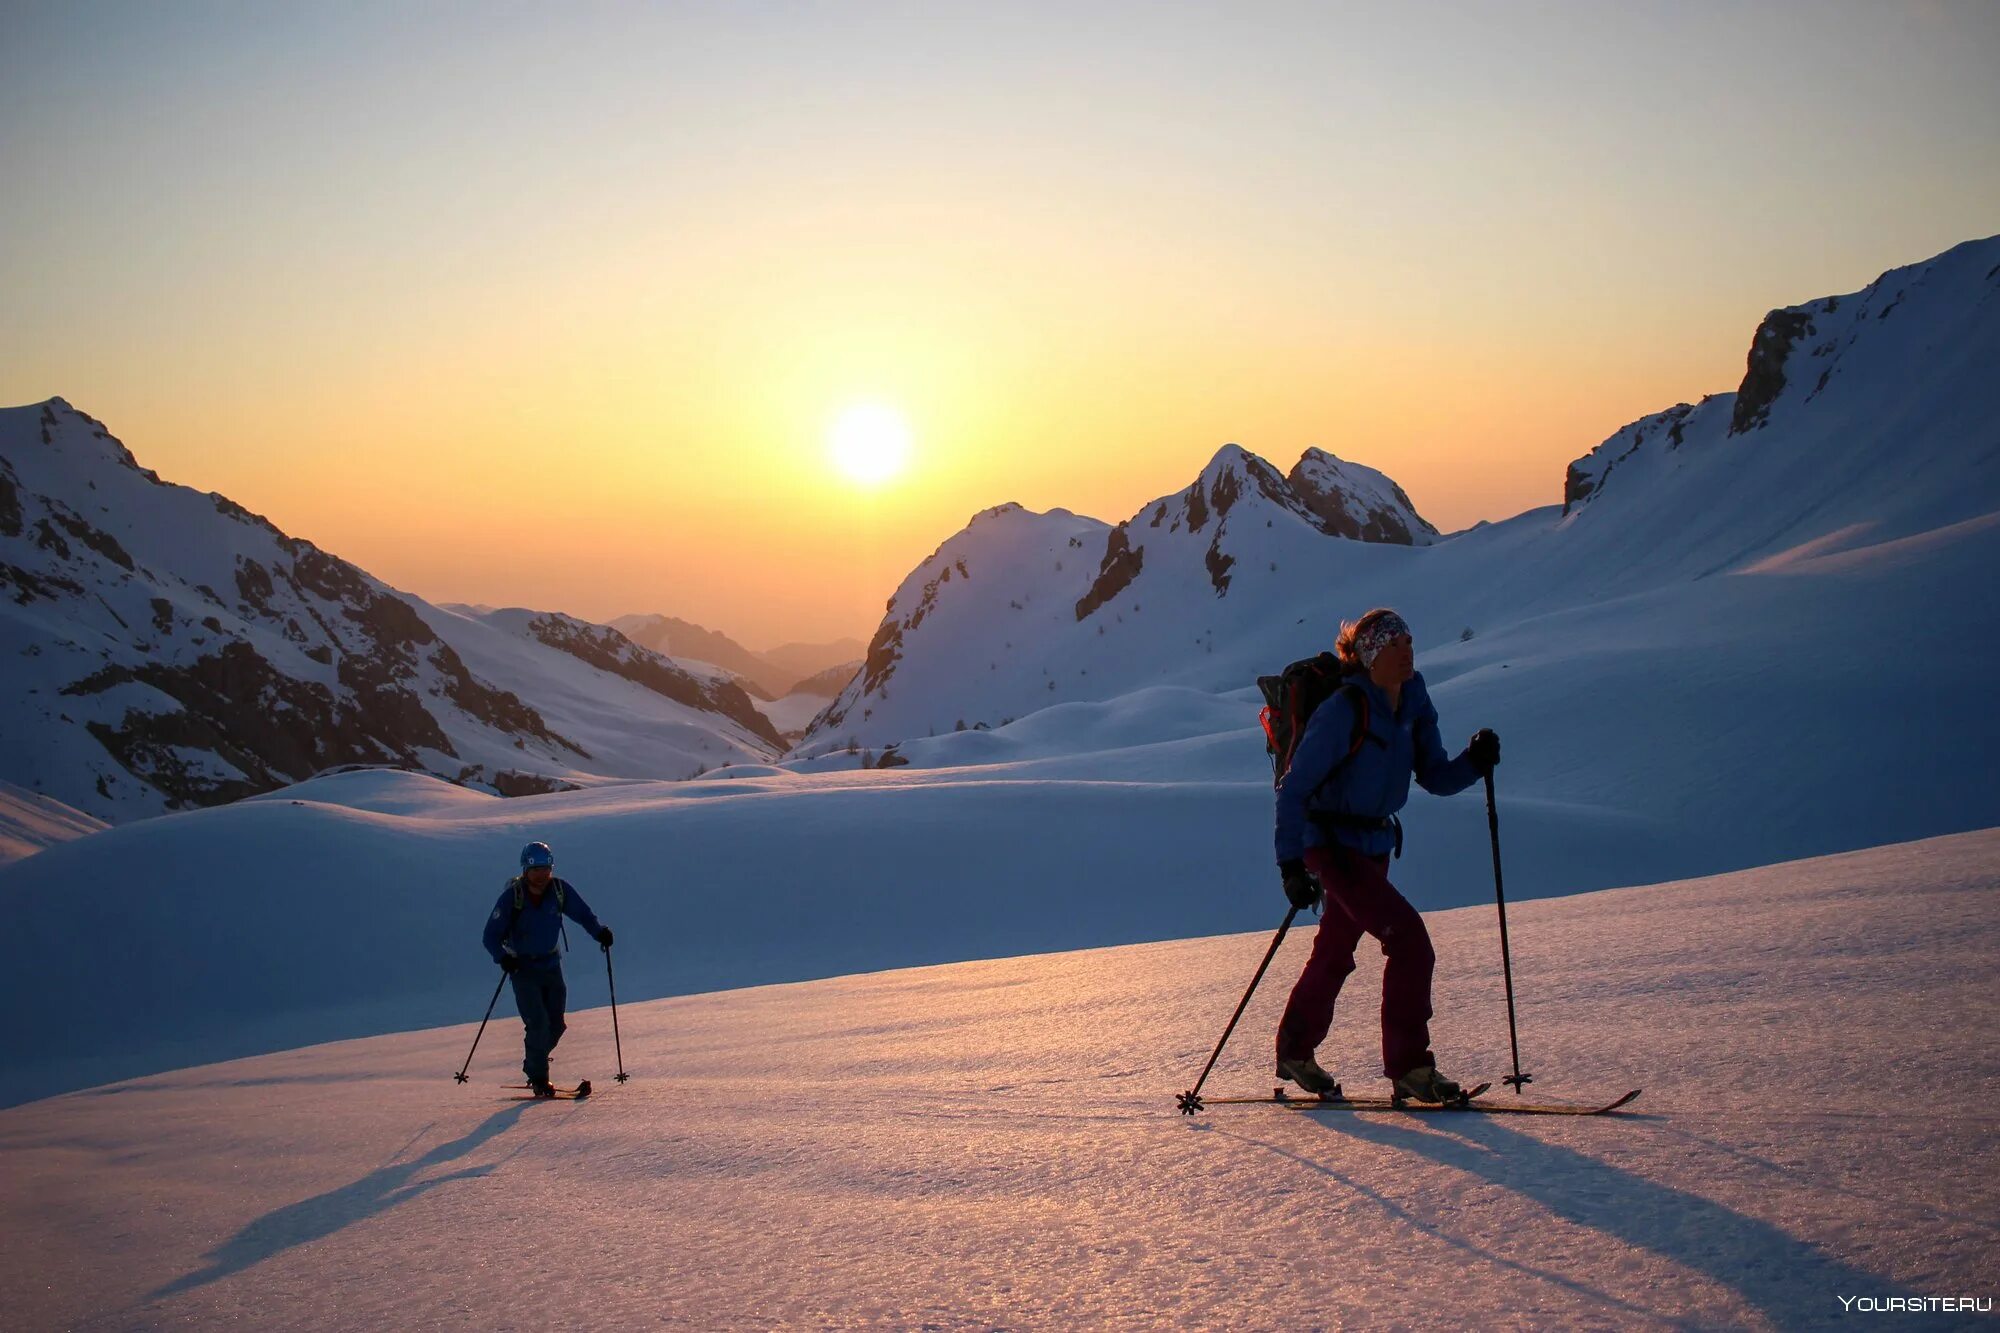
{"type": "Point", "coordinates": [1860, 419]}
{"type": "Point", "coordinates": [769, 675]}
{"type": "Point", "coordinates": [164, 649]}
{"type": "Point", "coordinates": [1766, 635]}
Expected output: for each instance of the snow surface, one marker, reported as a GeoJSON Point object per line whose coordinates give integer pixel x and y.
{"type": "Point", "coordinates": [791, 713]}
{"type": "Point", "coordinates": [995, 1143]}
{"type": "Point", "coordinates": [628, 730]}
{"type": "Point", "coordinates": [30, 821]}
{"type": "Point", "coordinates": [1739, 649]}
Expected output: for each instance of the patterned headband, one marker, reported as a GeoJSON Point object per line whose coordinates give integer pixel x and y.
{"type": "Point", "coordinates": [1370, 642]}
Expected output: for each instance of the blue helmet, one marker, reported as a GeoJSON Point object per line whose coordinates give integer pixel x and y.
{"type": "Point", "coordinates": [537, 854]}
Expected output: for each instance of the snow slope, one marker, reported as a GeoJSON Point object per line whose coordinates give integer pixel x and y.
{"type": "Point", "coordinates": [995, 1144]}
{"type": "Point", "coordinates": [30, 822]}
{"type": "Point", "coordinates": [1702, 727]}
{"type": "Point", "coordinates": [1746, 647]}
{"type": "Point", "coordinates": [1867, 424]}
{"type": "Point", "coordinates": [161, 648]}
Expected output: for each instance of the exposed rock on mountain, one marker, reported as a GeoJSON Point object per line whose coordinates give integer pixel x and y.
{"type": "Point", "coordinates": [171, 649]}
{"type": "Point", "coordinates": [1861, 419]}
{"type": "Point", "coordinates": [1839, 363]}
{"type": "Point", "coordinates": [608, 650]}
{"type": "Point", "coordinates": [1077, 593]}
{"type": "Point", "coordinates": [1358, 502]}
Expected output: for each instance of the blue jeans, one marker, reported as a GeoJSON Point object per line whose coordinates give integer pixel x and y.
{"type": "Point", "coordinates": [540, 994]}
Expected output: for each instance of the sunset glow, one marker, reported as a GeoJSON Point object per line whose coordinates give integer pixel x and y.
{"type": "Point", "coordinates": [1459, 244]}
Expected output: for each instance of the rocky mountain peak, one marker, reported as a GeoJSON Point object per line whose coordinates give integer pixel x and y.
{"type": "Point", "coordinates": [1357, 502]}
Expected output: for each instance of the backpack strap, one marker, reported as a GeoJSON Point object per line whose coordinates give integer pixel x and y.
{"type": "Point", "coordinates": [1360, 732]}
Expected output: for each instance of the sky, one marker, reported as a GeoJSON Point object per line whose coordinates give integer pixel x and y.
{"type": "Point", "coordinates": [556, 306]}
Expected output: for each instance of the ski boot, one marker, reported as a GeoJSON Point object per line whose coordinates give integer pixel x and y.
{"type": "Point", "coordinates": [1305, 1072]}
{"type": "Point", "coordinates": [1425, 1084]}
{"type": "Point", "coordinates": [541, 1087]}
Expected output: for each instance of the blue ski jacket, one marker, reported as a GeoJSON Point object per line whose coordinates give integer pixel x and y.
{"type": "Point", "coordinates": [1375, 783]}
{"type": "Point", "coordinates": [532, 936]}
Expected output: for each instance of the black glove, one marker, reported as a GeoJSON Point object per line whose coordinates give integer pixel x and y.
{"type": "Point", "coordinates": [509, 964]}
{"type": "Point", "coordinates": [604, 936]}
{"type": "Point", "coordinates": [1484, 751]}
{"type": "Point", "coordinates": [1301, 889]}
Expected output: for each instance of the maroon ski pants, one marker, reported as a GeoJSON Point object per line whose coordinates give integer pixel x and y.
{"type": "Point", "coordinates": [1360, 900]}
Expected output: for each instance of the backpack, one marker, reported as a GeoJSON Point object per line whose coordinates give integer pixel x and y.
{"type": "Point", "coordinates": [1290, 699]}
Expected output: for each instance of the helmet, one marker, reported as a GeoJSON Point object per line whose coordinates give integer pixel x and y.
{"type": "Point", "coordinates": [537, 854]}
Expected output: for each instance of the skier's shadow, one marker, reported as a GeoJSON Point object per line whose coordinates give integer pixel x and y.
{"type": "Point", "coordinates": [1783, 1277]}
{"type": "Point", "coordinates": [314, 1219]}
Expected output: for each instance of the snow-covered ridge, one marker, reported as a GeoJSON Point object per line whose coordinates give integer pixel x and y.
{"type": "Point", "coordinates": [767, 676]}
{"type": "Point", "coordinates": [1861, 419]}
{"type": "Point", "coordinates": [960, 654]}
{"type": "Point", "coordinates": [608, 650]}
{"type": "Point", "coordinates": [30, 822]}
{"type": "Point", "coordinates": [171, 649]}
{"type": "Point", "coordinates": [1834, 359]}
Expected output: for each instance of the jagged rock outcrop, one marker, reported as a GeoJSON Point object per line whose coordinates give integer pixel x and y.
{"type": "Point", "coordinates": [1357, 502]}
{"type": "Point", "coordinates": [608, 650]}
{"type": "Point", "coordinates": [1024, 610]}
{"type": "Point", "coordinates": [1835, 360]}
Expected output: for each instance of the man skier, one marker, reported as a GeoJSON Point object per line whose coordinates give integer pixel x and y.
{"type": "Point", "coordinates": [1335, 831]}
{"type": "Point", "coordinates": [521, 936]}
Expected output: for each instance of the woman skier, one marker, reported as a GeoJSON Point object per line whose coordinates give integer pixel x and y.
{"type": "Point", "coordinates": [1336, 828]}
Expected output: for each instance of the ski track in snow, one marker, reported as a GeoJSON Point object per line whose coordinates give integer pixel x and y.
{"type": "Point", "coordinates": [995, 1143]}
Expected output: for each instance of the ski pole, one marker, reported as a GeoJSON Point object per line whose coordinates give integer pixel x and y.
{"type": "Point", "coordinates": [1517, 1078]}
{"type": "Point", "coordinates": [1190, 1101]}
{"type": "Point", "coordinates": [460, 1075]}
{"type": "Point", "coordinates": [616, 1045]}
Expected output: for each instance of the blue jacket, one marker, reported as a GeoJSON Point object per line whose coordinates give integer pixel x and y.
{"type": "Point", "coordinates": [533, 935]}
{"type": "Point", "coordinates": [1375, 783]}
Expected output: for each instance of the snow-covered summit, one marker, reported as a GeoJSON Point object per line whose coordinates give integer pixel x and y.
{"type": "Point", "coordinates": [1009, 566]}
{"type": "Point", "coordinates": [1356, 501]}
{"type": "Point", "coordinates": [1072, 608]}
{"type": "Point", "coordinates": [1870, 419]}
{"type": "Point", "coordinates": [1901, 369]}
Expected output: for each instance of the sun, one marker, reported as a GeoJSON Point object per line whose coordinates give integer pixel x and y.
{"type": "Point", "coordinates": [869, 443]}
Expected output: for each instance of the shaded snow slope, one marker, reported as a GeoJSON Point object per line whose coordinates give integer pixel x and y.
{"type": "Point", "coordinates": [1702, 727]}
{"type": "Point", "coordinates": [995, 1144]}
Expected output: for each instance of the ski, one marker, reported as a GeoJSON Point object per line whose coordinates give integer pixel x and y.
{"type": "Point", "coordinates": [572, 1094]}
{"type": "Point", "coordinates": [1388, 1104]}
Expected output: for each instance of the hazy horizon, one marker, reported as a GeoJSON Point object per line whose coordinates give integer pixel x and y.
{"type": "Point", "coordinates": [556, 308]}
